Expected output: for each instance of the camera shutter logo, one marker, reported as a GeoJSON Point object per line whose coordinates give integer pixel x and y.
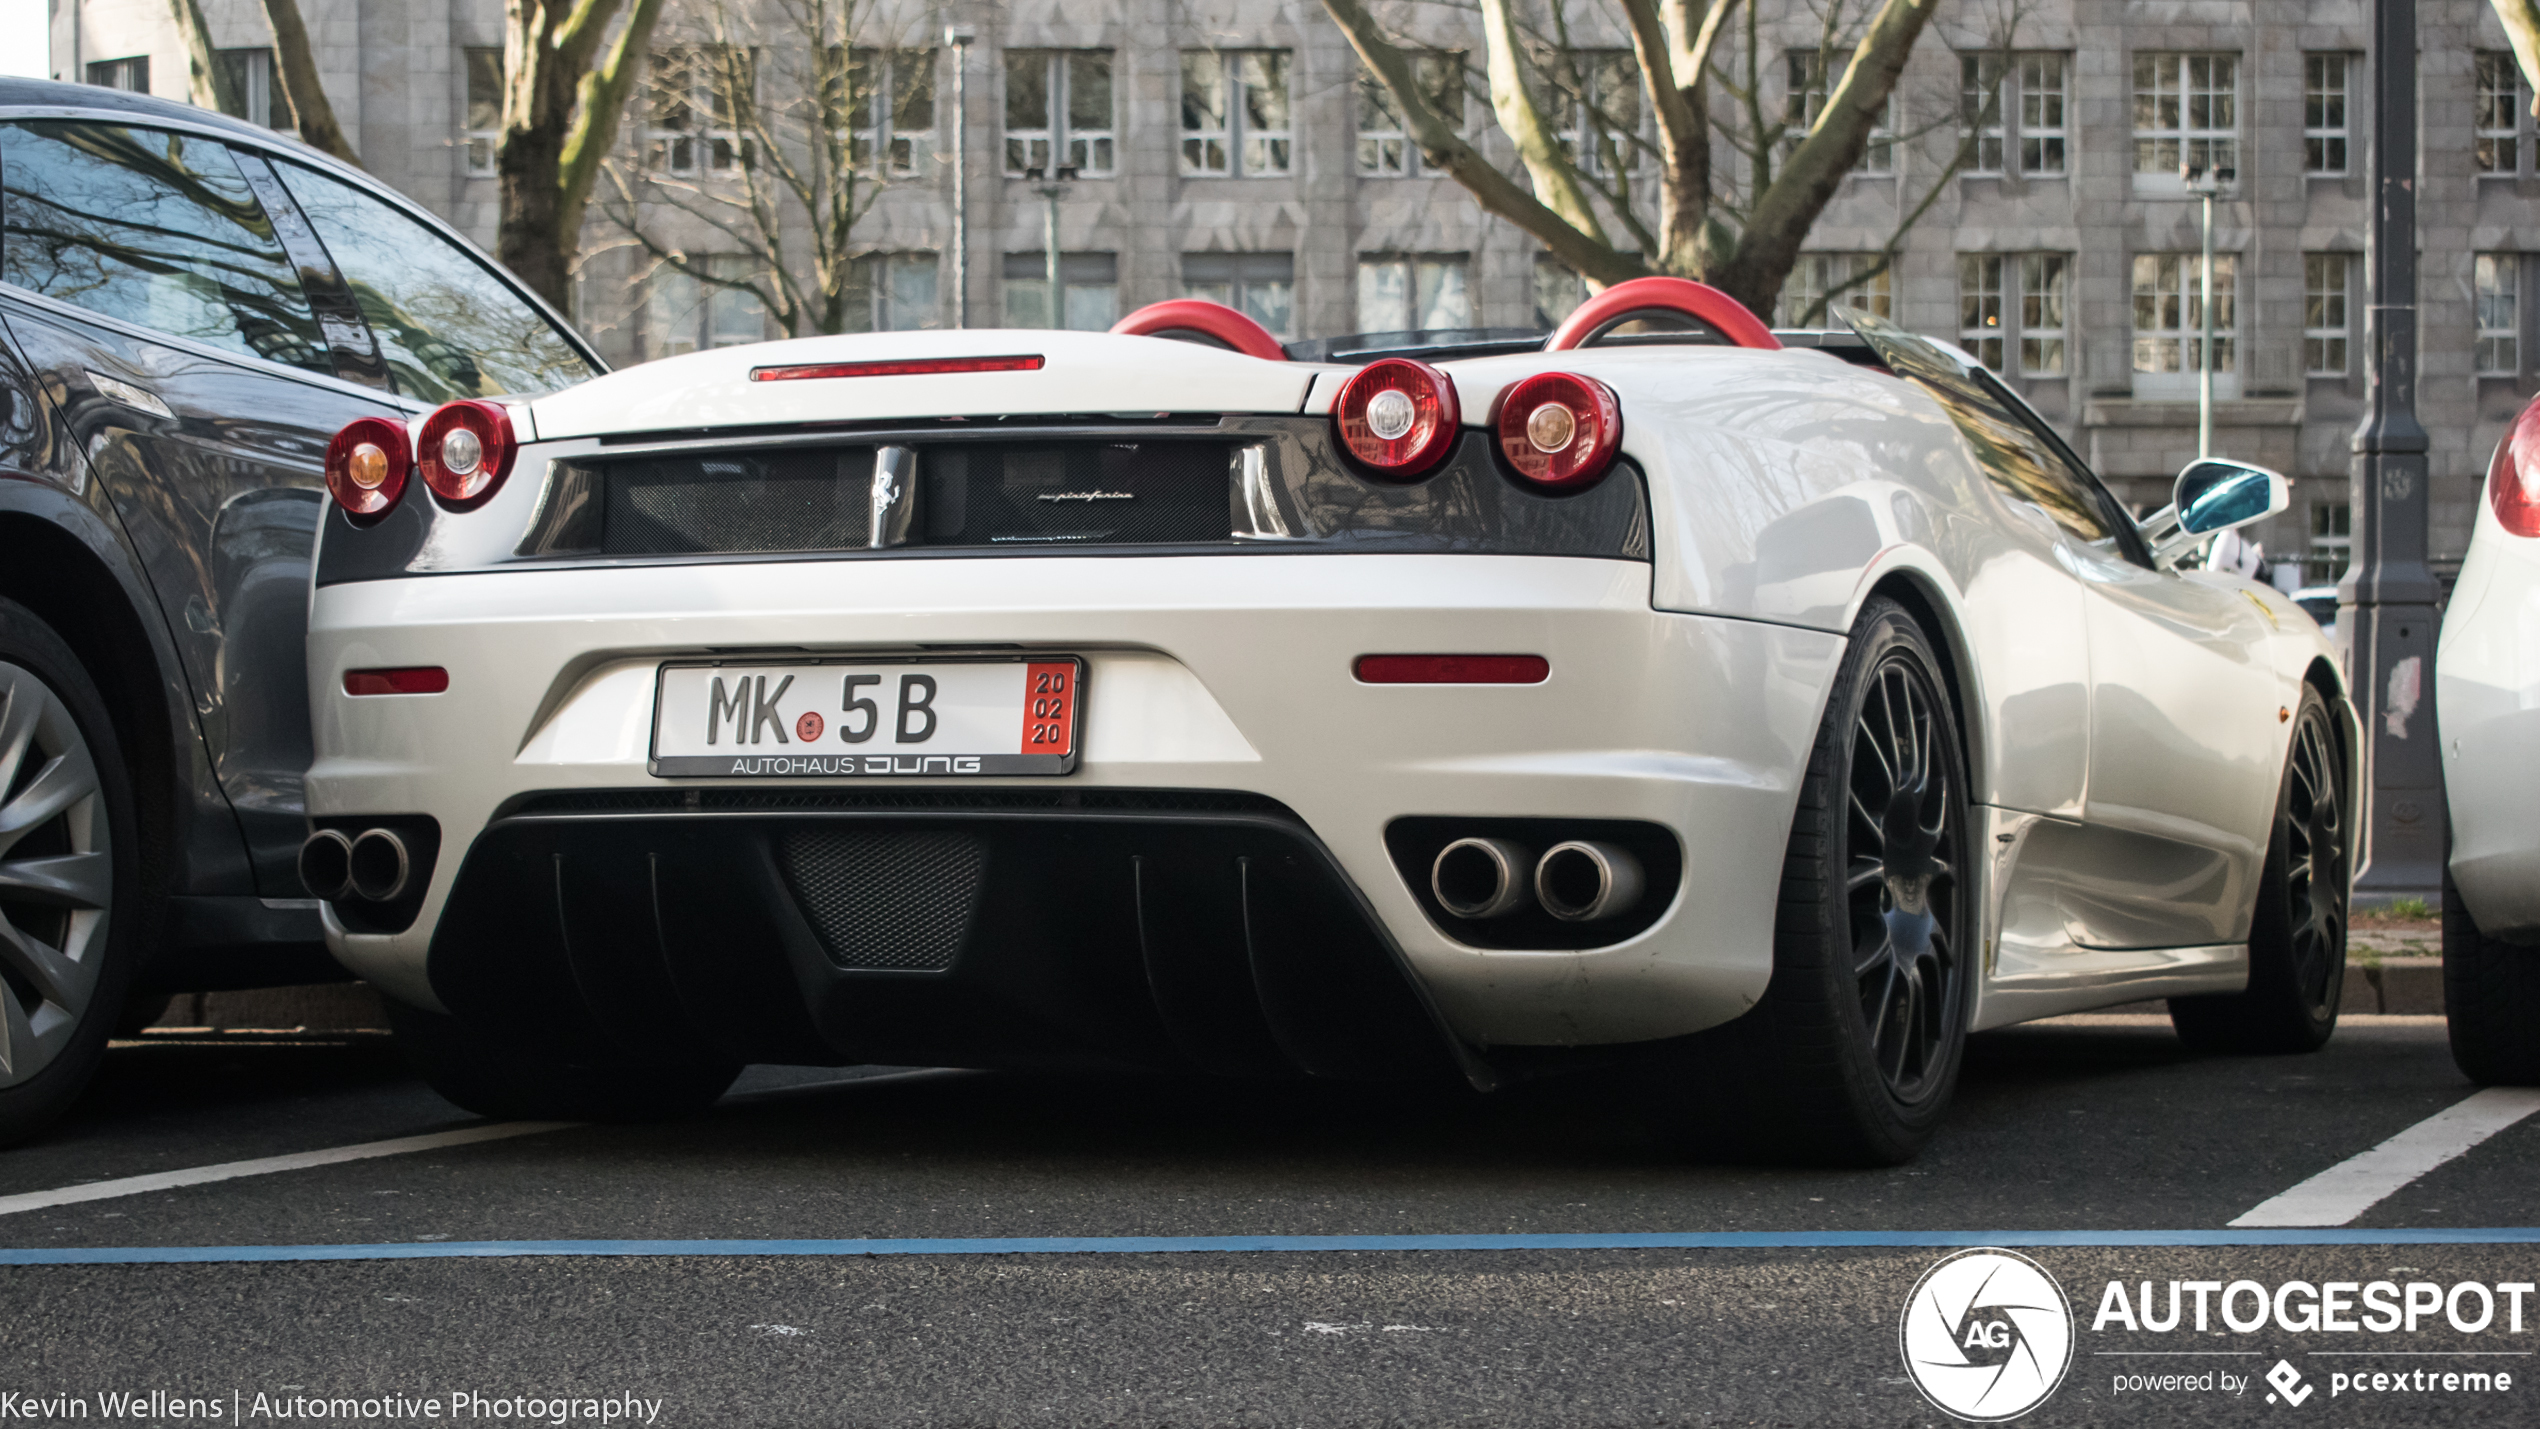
{"type": "Point", "coordinates": [1987, 1335]}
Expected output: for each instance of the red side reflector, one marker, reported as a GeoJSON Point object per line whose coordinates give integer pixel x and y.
{"type": "Point", "coordinates": [1453, 669]}
{"type": "Point", "coordinates": [899, 367]}
{"type": "Point", "coordinates": [413, 680]}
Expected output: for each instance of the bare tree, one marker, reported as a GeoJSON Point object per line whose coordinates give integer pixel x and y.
{"type": "Point", "coordinates": [566, 79]}
{"type": "Point", "coordinates": [771, 141]}
{"type": "Point", "coordinates": [207, 81]}
{"type": "Point", "coordinates": [296, 67]}
{"type": "Point", "coordinates": [1737, 226]}
{"type": "Point", "coordinates": [2521, 19]}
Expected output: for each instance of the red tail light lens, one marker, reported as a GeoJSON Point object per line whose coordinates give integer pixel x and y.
{"type": "Point", "coordinates": [2513, 478]}
{"type": "Point", "coordinates": [1398, 418]}
{"type": "Point", "coordinates": [465, 452]}
{"type": "Point", "coordinates": [1559, 430]}
{"type": "Point", "coordinates": [366, 465]}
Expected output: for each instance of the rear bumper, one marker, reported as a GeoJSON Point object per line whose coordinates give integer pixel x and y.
{"type": "Point", "coordinates": [1227, 674]}
{"type": "Point", "coordinates": [2487, 703]}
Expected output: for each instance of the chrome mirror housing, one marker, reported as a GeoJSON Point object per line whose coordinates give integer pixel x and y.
{"type": "Point", "coordinates": [2213, 495]}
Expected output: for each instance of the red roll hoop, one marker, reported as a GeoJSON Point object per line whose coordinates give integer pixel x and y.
{"type": "Point", "coordinates": [1723, 314]}
{"type": "Point", "coordinates": [1210, 320]}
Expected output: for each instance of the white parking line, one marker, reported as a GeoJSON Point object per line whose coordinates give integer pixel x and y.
{"type": "Point", "coordinates": [2346, 1190]}
{"type": "Point", "coordinates": [267, 1165]}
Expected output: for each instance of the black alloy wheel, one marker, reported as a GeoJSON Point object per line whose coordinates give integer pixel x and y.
{"type": "Point", "coordinates": [2297, 931]}
{"type": "Point", "coordinates": [1901, 879]}
{"type": "Point", "coordinates": [1852, 1054]}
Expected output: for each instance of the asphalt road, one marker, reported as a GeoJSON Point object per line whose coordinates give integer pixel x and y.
{"type": "Point", "coordinates": [2092, 1126]}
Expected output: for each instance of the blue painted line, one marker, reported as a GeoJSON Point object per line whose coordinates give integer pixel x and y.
{"type": "Point", "coordinates": [1289, 1244]}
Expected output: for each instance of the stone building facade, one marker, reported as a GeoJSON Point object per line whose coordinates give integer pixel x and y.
{"type": "Point", "coordinates": [1226, 148]}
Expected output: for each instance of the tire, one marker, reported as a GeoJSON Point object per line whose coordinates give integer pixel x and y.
{"type": "Point", "coordinates": [2297, 933]}
{"type": "Point", "coordinates": [512, 1079]}
{"type": "Point", "coordinates": [1854, 1051]}
{"type": "Point", "coordinates": [2491, 998]}
{"type": "Point", "coordinates": [73, 915]}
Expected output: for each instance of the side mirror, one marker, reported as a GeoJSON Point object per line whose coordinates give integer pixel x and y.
{"type": "Point", "coordinates": [2214, 495]}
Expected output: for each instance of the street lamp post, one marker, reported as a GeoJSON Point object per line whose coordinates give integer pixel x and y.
{"type": "Point", "coordinates": [1051, 193]}
{"type": "Point", "coordinates": [2206, 182]}
{"type": "Point", "coordinates": [959, 37]}
{"type": "Point", "coordinates": [2385, 619]}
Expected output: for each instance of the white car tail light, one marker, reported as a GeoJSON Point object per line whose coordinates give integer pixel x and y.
{"type": "Point", "coordinates": [1398, 418]}
{"type": "Point", "coordinates": [367, 465]}
{"type": "Point", "coordinates": [465, 452]}
{"type": "Point", "coordinates": [1560, 431]}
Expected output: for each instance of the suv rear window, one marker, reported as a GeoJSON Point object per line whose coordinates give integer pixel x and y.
{"type": "Point", "coordinates": [446, 324]}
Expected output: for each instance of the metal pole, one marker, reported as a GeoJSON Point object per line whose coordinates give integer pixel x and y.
{"type": "Point", "coordinates": [2385, 618]}
{"type": "Point", "coordinates": [1049, 248]}
{"type": "Point", "coordinates": [958, 36]}
{"type": "Point", "coordinates": [2205, 350]}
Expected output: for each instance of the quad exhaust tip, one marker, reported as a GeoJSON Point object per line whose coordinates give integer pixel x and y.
{"type": "Point", "coordinates": [326, 864]}
{"type": "Point", "coordinates": [1584, 880]}
{"type": "Point", "coordinates": [1480, 878]}
{"type": "Point", "coordinates": [374, 867]}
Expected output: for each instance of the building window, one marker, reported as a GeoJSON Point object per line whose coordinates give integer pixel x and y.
{"type": "Point", "coordinates": [1235, 112]}
{"type": "Point", "coordinates": [891, 292]}
{"type": "Point", "coordinates": [683, 313]}
{"type": "Point", "coordinates": [2011, 309]}
{"type": "Point", "coordinates": [1818, 281]}
{"type": "Point", "coordinates": [1262, 286]}
{"type": "Point", "coordinates": [1401, 292]}
{"type": "Point", "coordinates": [2325, 280]}
{"type": "Point", "coordinates": [2495, 277]}
{"type": "Point", "coordinates": [131, 74]}
{"type": "Point", "coordinates": [2496, 122]}
{"type": "Point", "coordinates": [260, 101]}
{"type": "Point", "coordinates": [2169, 323]}
{"type": "Point", "coordinates": [484, 64]}
{"type": "Point", "coordinates": [1385, 147]}
{"type": "Point", "coordinates": [2332, 542]}
{"type": "Point", "coordinates": [2028, 118]}
{"type": "Point", "coordinates": [1558, 291]}
{"type": "Point", "coordinates": [1059, 102]}
{"type": "Point", "coordinates": [1090, 283]}
{"type": "Point", "coordinates": [2324, 78]}
{"type": "Point", "coordinates": [1810, 80]}
{"type": "Point", "coordinates": [690, 111]}
{"type": "Point", "coordinates": [1596, 105]}
{"type": "Point", "coordinates": [894, 95]}
{"type": "Point", "coordinates": [2186, 116]}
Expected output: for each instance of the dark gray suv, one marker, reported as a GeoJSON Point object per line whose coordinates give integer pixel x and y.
{"type": "Point", "coordinates": [190, 308]}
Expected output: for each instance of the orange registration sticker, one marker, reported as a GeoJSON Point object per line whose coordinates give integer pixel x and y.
{"type": "Point", "coordinates": [1049, 707]}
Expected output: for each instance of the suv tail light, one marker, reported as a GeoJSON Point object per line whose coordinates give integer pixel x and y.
{"type": "Point", "coordinates": [465, 451]}
{"type": "Point", "coordinates": [2513, 478]}
{"type": "Point", "coordinates": [367, 464]}
{"type": "Point", "coordinates": [1397, 417]}
{"type": "Point", "coordinates": [1560, 430]}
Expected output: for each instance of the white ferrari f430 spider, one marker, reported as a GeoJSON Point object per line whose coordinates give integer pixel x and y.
{"type": "Point", "coordinates": [1761, 713]}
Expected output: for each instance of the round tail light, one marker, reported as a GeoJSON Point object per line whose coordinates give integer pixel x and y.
{"type": "Point", "coordinates": [2513, 478]}
{"type": "Point", "coordinates": [465, 451]}
{"type": "Point", "coordinates": [366, 465]}
{"type": "Point", "coordinates": [1398, 418]}
{"type": "Point", "coordinates": [1559, 430]}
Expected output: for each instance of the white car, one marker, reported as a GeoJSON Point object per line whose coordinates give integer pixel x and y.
{"type": "Point", "coordinates": [2487, 711]}
{"type": "Point", "coordinates": [1772, 715]}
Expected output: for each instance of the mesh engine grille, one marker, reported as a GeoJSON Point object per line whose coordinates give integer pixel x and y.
{"type": "Point", "coordinates": [901, 900]}
{"type": "Point", "coordinates": [780, 501]}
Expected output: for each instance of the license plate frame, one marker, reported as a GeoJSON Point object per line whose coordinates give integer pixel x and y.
{"type": "Point", "coordinates": [880, 753]}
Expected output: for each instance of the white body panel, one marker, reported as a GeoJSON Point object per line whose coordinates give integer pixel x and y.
{"type": "Point", "coordinates": [2487, 701]}
{"type": "Point", "coordinates": [2124, 725]}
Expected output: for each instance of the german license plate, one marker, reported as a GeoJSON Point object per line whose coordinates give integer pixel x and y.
{"type": "Point", "coordinates": [919, 718]}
